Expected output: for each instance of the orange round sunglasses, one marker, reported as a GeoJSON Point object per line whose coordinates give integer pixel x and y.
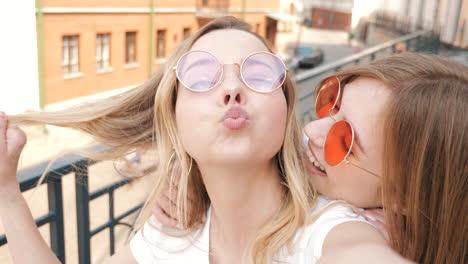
{"type": "Point", "coordinates": [340, 137]}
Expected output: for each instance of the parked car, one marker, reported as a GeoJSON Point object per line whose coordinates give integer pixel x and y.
{"type": "Point", "coordinates": [308, 57]}
{"type": "Point", "coordinates": [307, 22]}
{"type": "Point", "coordinates": [292, 63]}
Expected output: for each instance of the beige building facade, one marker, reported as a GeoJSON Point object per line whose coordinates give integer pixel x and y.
{"type": "Point", "coordinates": [90, 47]}
{"type": "Point", "coordinates": [449, 17]}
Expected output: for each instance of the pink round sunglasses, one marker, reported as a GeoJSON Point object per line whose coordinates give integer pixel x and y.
{"type": "Point", "coordinates": [201, 71]}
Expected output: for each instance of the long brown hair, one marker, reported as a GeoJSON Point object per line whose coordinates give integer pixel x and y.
{"type": "Point", "coordinates": [144, 118]}
{"type": "Point", "coordinates": [425, 155]}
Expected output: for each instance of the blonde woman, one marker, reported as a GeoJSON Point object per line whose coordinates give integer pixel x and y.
{"type": "Point", "coordinates": [393, 133]}
{"type": "Point", "coordinates": [223, 121]}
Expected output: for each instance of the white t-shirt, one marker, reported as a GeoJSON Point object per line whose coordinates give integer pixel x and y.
{"type": "Point", "coordinates": [156, 247]}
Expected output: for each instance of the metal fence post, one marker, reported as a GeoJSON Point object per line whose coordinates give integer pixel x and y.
{"type": "Point", "coordinates": [111, 220]}
{"type": "Point", "coordinates": [57, 234]}
{"type": "Point", "coordinates": [418, 43]}
{"type": "Point", "coordinates": [435, 42]}
{"type": "Point", "coordinates": [408, 45]}
{"type": "Point", "coordinates": [82, 213]}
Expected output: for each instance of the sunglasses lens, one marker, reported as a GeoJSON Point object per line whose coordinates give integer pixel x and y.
{"type": "Point", "coordinates": [339, 142]}
{"type": "Point", "coordinates": [263, 72]}
{"type": "Point", "coordinates": [327, 101]}
{"type": "Point", "coordinates": [199, 71]}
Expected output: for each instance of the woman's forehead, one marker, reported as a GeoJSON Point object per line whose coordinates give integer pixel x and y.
{"type": "Point", "coordinates": [363, 102]}
{"type": "Point", "coordinates": [229, 45]}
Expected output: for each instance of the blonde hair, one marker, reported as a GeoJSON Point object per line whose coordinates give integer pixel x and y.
{"type": "Point", "coordinates": [144, 118]}
{"type": "Point", "coordinates": [425, 159]}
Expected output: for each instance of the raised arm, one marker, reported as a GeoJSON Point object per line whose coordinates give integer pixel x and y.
{"type": "Point", "coordinates": [24, 240]}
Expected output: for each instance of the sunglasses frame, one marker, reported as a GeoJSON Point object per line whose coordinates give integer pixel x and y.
{"type": "Point", "coordinates": [345, 158]}
{"type": "Point", "coordinates": [240, 71]}
{"type": "Point", "coordinates": [337, 97]}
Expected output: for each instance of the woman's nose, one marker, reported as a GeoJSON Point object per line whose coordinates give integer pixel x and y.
{"type": "Point", "coordinates": [233, 88]}
{"type": "Point", "coordinates": [317, 130]}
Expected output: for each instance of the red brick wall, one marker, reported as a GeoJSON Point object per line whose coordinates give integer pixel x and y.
{"type": "Point", "coordinates": [330, 19]}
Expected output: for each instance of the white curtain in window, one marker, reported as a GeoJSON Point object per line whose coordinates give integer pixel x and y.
{"type": "Point", "coordinates": [98, 51]}
{"type": "Point", "coordinates": [65, 55]}
{"type": "Point", "coordinates": [74, 54]}
{"type": "Point", "coordinates": [105, 51]}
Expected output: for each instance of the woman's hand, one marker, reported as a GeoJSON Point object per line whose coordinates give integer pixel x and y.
{"type": "Point", "coordinates": [376, 217]}
{"type": "Point", "coordinates": [165, 207]}
{"type": "Point", "coordinates": [12, 141]}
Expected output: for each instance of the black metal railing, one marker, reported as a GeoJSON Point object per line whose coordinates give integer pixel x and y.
{"type": "Point", "coordinates": [78, 165]}
{"type": "Point", "coordinates": [28, 178]}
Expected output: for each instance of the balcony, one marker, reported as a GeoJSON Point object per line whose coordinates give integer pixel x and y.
{"type": "Point", "coordinates": [79, 167]}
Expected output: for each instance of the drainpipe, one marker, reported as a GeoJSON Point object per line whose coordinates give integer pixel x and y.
{"type": "Point", "coordinates": [40, 44]}
{"type": "Point", "coordinates": [420, 20]}
{"type": "Point", "coordinates": [436, 23]}
{"type": "Point", "coordinates": [243, 8]}
{"type": "Point", "coordinates": [407, 8]}
{"type": "Point", "coordinates": [151, 39]}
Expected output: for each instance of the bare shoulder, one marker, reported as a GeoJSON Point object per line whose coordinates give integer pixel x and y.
{"type": "Point", "coordinates": [123, 256]}
{"type": "Point", "coordinates": [352, 233]}
{"type": "Point", "coordinates": [358, 242]}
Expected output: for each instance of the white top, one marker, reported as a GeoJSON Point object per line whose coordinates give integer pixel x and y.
{"type": "Point", "coordinates": [157, 247]}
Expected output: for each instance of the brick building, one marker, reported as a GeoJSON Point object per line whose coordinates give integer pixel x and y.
{"type": "Point", "coordinates": [448, 17]}
{"type": "Point", "coordinates": [333, 14]}
{"type": "Point", "coordinates": [88, 47]}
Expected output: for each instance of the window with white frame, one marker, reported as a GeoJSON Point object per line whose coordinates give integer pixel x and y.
{"type": "Point", "coordinates": [161, 44]}
{"type": "Point", "coordinates": [70, 56]}
{"type": "Point", "coordinates": [130, 47]}
{"type": "Point", "coordinates": [102, 51]}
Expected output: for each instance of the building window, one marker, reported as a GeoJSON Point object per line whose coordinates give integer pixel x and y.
{"type": "Point", "coordinates": [130, 47]}
{"type": "Point", "coordinates": [204, 3]}
{"type": "Point", "coordinates": [161, 44]}
{"type": "Point", "coordinates": [102, 51]}
{"type": "Point", "coordinates": [70, 61]}
{"type": "Point", "coordinates": [186, 33]}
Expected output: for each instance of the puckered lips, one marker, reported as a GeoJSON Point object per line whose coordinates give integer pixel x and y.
{"type": "Point", "coordinates": [235, 118]}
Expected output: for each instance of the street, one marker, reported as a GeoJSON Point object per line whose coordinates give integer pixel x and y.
{"type": "Point", "coordinates": [334, 45]}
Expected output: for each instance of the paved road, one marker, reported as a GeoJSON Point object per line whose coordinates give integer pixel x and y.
{"type": "Point", "coordinates": [335, 46]}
